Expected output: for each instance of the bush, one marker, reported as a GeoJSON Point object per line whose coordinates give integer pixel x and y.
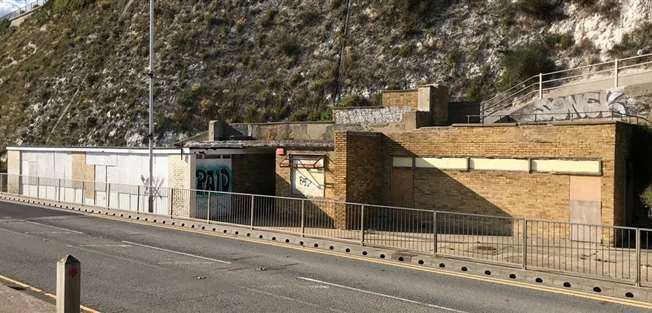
{"type": "Point", "coordinates": [524, 62]}
{"type": "Point", "coordinates": [559, 41]}
{"type": "Point", "coordinates": [646, 197]}
{"type": "Point", "coordinates": [354, 101]}
{"type": "Point", "coordinates": [542, 9]}
{"type": "Point", "coordinates": [639, 39]}
{"type": "Point", "coordinates": [607, 8]}
{"type": "Point", "coordinates": [5, 27]}
{"type": "Point", "coordinates": [290, 46]}
{"type": "Point", "coordinates": [411, 16]}
{"type": "Point", "coordinates": [64, 6]}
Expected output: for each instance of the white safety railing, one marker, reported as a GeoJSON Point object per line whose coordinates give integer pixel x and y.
{"type": "Point", "coordinates": [594, 76]}
{"type": "Point", "coordinates": [21, 10]}
{"type": "Point", "coordinates": [607, 252]}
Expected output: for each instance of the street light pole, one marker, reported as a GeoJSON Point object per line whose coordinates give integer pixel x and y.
{"type": "Point", "coordinates": [150, 135]}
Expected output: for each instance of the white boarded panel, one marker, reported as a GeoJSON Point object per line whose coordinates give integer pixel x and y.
{"type": "Point", "coordinates": [443, 163]}
{"type": "Point", "coordinates": [568, 166]}
{"type": "Point", "coordinates": [101, 158]}
{"type": "Point", "coordinates": [519, 165]}
{"type": "Point", "coordinates": [62, 165]}
{"type": "Point", "coordinates": [402, 162]}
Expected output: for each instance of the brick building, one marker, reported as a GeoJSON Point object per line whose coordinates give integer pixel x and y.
{"type": "Point", "coordinates": [582, 171]}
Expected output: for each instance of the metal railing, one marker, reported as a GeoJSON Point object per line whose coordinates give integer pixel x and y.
{"type": "Point", "coordinates": [21, 10]}
{"type": "Point", "coordinates": [610, 73]}
{"type": "Point", "coordinates": [599, 251]}
{"type": "Point", "coordinates": [566, 116]}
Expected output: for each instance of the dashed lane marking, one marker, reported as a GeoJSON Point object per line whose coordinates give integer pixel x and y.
{"type": "Point", "coordinates": [373, 293]}
{"type": "Point", "coordinates": [177, 252]}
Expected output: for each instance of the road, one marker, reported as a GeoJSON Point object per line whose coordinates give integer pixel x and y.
{"type": "Point", "coordinates": [138, 268]}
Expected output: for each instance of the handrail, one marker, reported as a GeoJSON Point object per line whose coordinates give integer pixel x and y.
{"type": "Point", "coordinates": [503, 99]}
{"type": "Point", "coordinates": [571, 116]}
{"type": "Point", "coordinates": [33, 5]}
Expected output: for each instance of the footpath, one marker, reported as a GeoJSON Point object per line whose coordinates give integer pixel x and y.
{"type": "Point", "coordinates": [17, 301]}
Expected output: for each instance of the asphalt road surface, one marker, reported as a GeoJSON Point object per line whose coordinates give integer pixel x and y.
{"type": "Point", "coordinates": [137, 268]}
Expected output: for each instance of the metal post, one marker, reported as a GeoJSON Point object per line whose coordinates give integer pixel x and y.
{"type": "Point", "coordinates": [616, 73]}
{"type": "Point", "coordinates": [208, 208]}
{"type": "Point", "coordinates": [137, 199]}
{"type": "Point", "coordinates": [638, 258]}
{"type": "Point", "coordinates": [303, 218]}
{"type": "Point", "coordinates": [540, 86]}
{"type": "Point", "coordinates": [68, 285]}
{"type": "Point", "coordinates": [38, 187]}
{"type": "Point", "coordinates": [83, 196]}
{"type": "Point", "coordinates": [59, 190]}
{"type": "Point", "coordinates": [434, 232]}
{"type": "Point", "coordinates": [108, 196]}
{"type": "Point", "coordinates": [150, 134]}
{"type": "Point", "coordinates": [171, 204]}
{"type": "Point", "coordinates": [251, 215]}
{"type": "Point", "coordinates": [524, 244]}
{"type": "Point", "coordinates": [362, 226]}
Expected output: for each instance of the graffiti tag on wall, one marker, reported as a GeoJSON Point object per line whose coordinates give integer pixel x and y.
{"type": "Point", "coordinates": [214, 178]}
{"type": "Point", "coordinates": [578, 106]}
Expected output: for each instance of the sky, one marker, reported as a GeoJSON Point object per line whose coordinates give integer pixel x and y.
{"type": "Point", "coordinates": [7, 6]}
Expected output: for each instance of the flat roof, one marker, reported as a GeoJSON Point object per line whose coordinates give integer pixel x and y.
{"type": "Point", "coordinates": [241, 144]}
{"type": "Point", "coordinates": [131, 150]}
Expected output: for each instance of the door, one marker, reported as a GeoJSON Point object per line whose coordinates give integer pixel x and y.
{"type": "Point", "coordinates": [402, 187]}
{"type": "Point", "coordinates": [585, 208]}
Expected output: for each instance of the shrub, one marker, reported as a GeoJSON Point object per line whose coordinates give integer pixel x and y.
{"type": "Point", "coordinates": [63, 6]}
{"type": "Point", "coordinates": [5, 27]}
{"type": "Point", "coordinates": [411, 16]}
{"type": "Point", "coordinates": [639, 39]}
{"type": "Point", "coordinates": [559, 41]}
{"type": "Point", "coordinates": [354, 101]}
{"type": "Point", "coordinates": [290, 46]}
{"type": "Point", "coordinates": [542, 9]}
{"type": "Point", "coordinates": [646, 197]}
{"type": "Point", "coordinates": [524, 62]}
{"type": "Point", "coordinates": [607, 8]}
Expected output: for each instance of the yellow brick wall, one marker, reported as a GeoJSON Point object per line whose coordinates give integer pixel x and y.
{"type": "Point", "coordinates": [180, 179]}
{"type": "Point", "coordinates": [535, 195]}
{"type": "Point", "coordinates": [401, 98]}
{"type": "Point", "coordinates": [81, 172]}
{"type": "Point", "coordinates": [13, 169]}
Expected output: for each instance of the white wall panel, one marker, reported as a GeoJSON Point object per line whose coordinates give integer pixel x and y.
{"type": "Point", "coordinates": [443, 163]}
{"type": "Point", "coordinates": [568, 166]}
{"type": "Point", "coordinates": [402, 162]}
{"type": "Point", "coordinates": [519, 165]}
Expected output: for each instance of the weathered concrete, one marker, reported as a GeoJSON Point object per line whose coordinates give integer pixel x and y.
{"type": "Point", "coordinates": [15, 301]}
{"type": "Point", "coordinates": [370, 115]}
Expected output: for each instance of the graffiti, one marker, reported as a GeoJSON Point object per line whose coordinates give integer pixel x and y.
{"type": "Point", "coordinates": [304, 181]}
{"type": "Point", "coordinates": [217, 178]}
{"type": "Point", "coordinates": [585, 105]}
{"type": "Point", "coordinates": [156, 186]}
{"type": "Point", "coordinates": [308, 182]}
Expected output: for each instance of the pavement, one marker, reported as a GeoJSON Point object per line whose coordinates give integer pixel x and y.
{"type": "Point", "coordinates": [14, 300]}
{"type": "Point", "coordinates": [130, 267]}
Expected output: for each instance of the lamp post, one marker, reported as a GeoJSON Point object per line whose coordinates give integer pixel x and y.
{"type": "Point", "coordinates": [150, 135]}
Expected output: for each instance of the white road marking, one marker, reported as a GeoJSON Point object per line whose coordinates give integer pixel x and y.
{"type": "Point", "coordinates": [185, 263]}
{"type": "Point", "coordinates": [292, 299]}
{"type": "Point", "coordinates": [176, 252]}
{"type": "Point", "coordinates": [106, 245]}
{"type": "Point", "coordinates": [381, 295]}
{"type": "Point", "coordinates": [56, 227]}
{"type": "Point", "coordinates": [49, 232]}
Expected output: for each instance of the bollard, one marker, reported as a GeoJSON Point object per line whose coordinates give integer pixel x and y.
{"type": "Point", "coordinates": [68, 285]}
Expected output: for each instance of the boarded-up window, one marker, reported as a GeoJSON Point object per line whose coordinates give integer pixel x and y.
{"type": "Point", "coordinates": [308, 176]}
